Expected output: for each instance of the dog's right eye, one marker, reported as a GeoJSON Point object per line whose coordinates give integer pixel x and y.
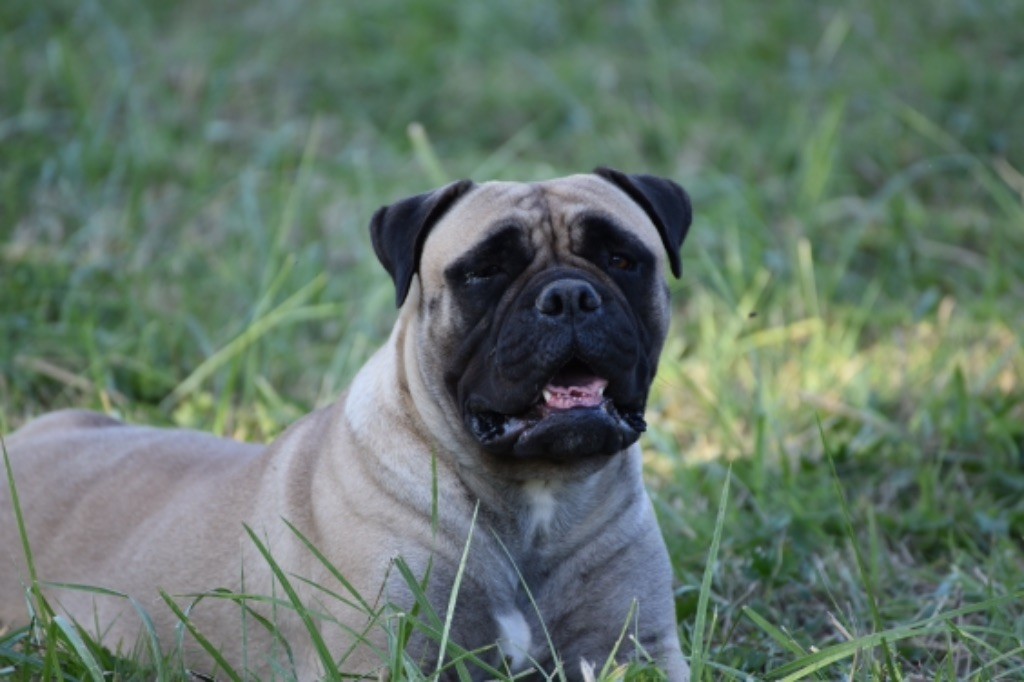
{"type": "Point", "coordinates": [482, 274]}
{"type": "Point", "coordinates": [622, 262]}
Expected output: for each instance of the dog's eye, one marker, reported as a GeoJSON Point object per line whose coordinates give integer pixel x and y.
{"type": "Point", "coordinates": [622, 262]}
{"type": "Point", "coordinates": [482, 274]}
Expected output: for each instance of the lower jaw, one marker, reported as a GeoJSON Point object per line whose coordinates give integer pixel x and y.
{"type": "Point", "coordinates": [566, 436]}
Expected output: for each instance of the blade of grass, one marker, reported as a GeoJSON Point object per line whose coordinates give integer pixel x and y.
{"type": "Point", "coordinates": [424, 152]}
{"type": "Point", "coordinates": [453, 597]}
{"type": "Point", "coordinates": [609, 664]}
{"type": "Point", "coordinates": [214, 653]}
{"type": "Point", "coordinates": [323, 652]}
{"type": "Point", "coordinates": [71, 635]}
{"type": "Point", "coordinates": [783, 639]}
{"type": "Point", "coordinates": [149, 628]}
{"type": "Point", "coordinates": [559, 664]}
{"type": "Point", "coordinates": [862, 565]}
{"type": "Point", "coordinates": [359, 638]}
{"type": "Point", "coordinates": [431, 625]}
{"type": "Point", "coordinates": [152, 640]}
{"type": "Point", "coordinates": [287, 220]}
{"type": "Point", "coordinates": [52, 668]}
{"type": "Point", "coordinates": [290, 311]}
{"type": "Point", "coordinates": [800, 668]}
{"type": "Point", "coordinates": [44, 611]}
{"type": "Point", "coordinates": [325, 562]}
{"type": "Point", "coordinates": [243, 601]}
{"type": "Point", "coordinates": [986, 177]}
{"type": "Point", "coordinates": [421, 601]}
{"type": "Point", "coordinates": [698, 655]}
{"type": "Point", "coordinates": [993, 662]}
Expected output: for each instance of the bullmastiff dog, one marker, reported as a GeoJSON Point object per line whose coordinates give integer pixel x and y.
{"type": "Point", "coordinates": [478, 486]}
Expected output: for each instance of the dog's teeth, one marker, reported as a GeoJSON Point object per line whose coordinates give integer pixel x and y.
{"type": "Point", "coordinates": [547, 395]}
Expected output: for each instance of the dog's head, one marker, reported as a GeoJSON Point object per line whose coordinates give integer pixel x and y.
{"type": "Point", "coordinates": [539, 309]}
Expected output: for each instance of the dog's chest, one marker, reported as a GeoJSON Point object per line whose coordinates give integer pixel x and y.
{"type": "Point", "coordinates": [540, 507]}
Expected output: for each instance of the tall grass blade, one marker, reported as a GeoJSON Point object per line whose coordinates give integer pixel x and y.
{"type": "Point", "coordinates": [323, 653]}
{"type": "Point", "coordinates": [52, 668]}
{"type": "Point", "coordinates": [290, 311]}
{"type": "Point", "coordinates": [152, 640]}
{"type": "Point", "coordinates": [214, 653]}
{"type": "Point", "coordinates": [928, 129]}
{"type": "Point", "coordinates": [783, 639]}
{"type": "Point", "coordinates": [421, 603]}
{"type": "Point", "coordinates": [862, 565]}
{"type": "Point", "coordinates": [453, 597]}
{"type": "Point", "coordinates": [425, 154]}
{"type": "Point", "coordinates": [818, 154]}
{"type": "Point", "coordinates": [359, 638]}
{"type": "Point", "coordinates": [248, 612]}
{"type": "Point", "coordinates": [326, 563]}
{"type": "Point", "coordinates": [44, 612]}
{"type": "Point", "coordinates": [698, 654]}
{"type": "Point", "coordinates": [74, 638]}
{"type": "Point", "coordinates": [423, 617]}
{"type": "Point", "coordinates": [559, 664]}
{"type": "Point", "coordinates": [867, 577]}
{"type": "Point", "coordinates": [14, 660]}
{"type": "Point", "coordinates": [288, 213]}
{"type": "Point", "coordinates": [818, 660]}
{"type": "Point", "coordinates": [148, 627]}
{"type": "Point", "coordinates": [610, 664]}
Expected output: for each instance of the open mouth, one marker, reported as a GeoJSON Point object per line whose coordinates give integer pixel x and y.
{"type": "Point", "coordinates": [571, 412]}
{"type": "Point", "coordinates": [573, 386]}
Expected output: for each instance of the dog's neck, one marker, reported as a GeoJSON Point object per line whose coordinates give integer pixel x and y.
{"type": "Point", "coordinates": [544, 511]}
{"type": "Point", "coordinates": [529, 504]}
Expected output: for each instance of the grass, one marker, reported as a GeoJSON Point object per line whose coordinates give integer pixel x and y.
{"type": "Point", "coordinates": [184, 194]}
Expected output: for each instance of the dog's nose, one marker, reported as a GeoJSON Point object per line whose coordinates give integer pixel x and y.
{"type": "Point", "coordinates": [568, 297]}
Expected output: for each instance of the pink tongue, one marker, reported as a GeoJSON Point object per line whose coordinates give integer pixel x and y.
{"type": "Point", "coordinates": [585, 392]}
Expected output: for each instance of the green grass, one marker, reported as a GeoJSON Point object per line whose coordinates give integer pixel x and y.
{"type": "Point", "coordinates": [185, 189]}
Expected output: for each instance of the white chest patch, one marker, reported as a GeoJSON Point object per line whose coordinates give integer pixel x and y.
{"type": "Point", "coordinates": [541, 506]}
{"type": "Point", "coordinates": [515, 639]}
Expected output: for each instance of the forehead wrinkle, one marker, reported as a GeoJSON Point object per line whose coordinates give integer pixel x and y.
{"type": "Point", "coordinates": [588, 194]}
{"type": "Point", "coordinates": [539, 223]}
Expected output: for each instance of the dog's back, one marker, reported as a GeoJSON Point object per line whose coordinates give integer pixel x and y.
{"type": "Point", "coordinates": [90, 486]}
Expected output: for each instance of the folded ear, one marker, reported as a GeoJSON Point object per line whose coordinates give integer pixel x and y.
{"type": "Point", "coordinates": [399, 230]}
{"type": "Point", "coordinates": [666, 204]}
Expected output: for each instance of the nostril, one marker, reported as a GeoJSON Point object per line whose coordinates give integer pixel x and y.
{"type": "Point", "coordinates": [550, 302]}
{"type": "Point", "coordinates": [567, 296]}
{"type": "Point", "coordinates": [589, 300]}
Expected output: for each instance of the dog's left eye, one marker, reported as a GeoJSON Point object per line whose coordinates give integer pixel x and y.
{"type": "Point", "coordinates": [622, 262]}
{"type": "Point", "coordinates": [482, 274]}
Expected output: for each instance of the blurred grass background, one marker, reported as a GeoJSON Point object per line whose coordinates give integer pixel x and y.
{"type": "Point", "coordinates": [185, 189]}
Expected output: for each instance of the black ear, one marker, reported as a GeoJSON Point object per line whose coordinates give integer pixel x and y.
{"type": "Point", "coordinates": [665, 202]}
{"type": "Point", "coordinates": [399, 230]}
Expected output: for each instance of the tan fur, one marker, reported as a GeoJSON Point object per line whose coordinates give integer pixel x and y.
{"type": "Point", "coordinates": [135, 508]}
